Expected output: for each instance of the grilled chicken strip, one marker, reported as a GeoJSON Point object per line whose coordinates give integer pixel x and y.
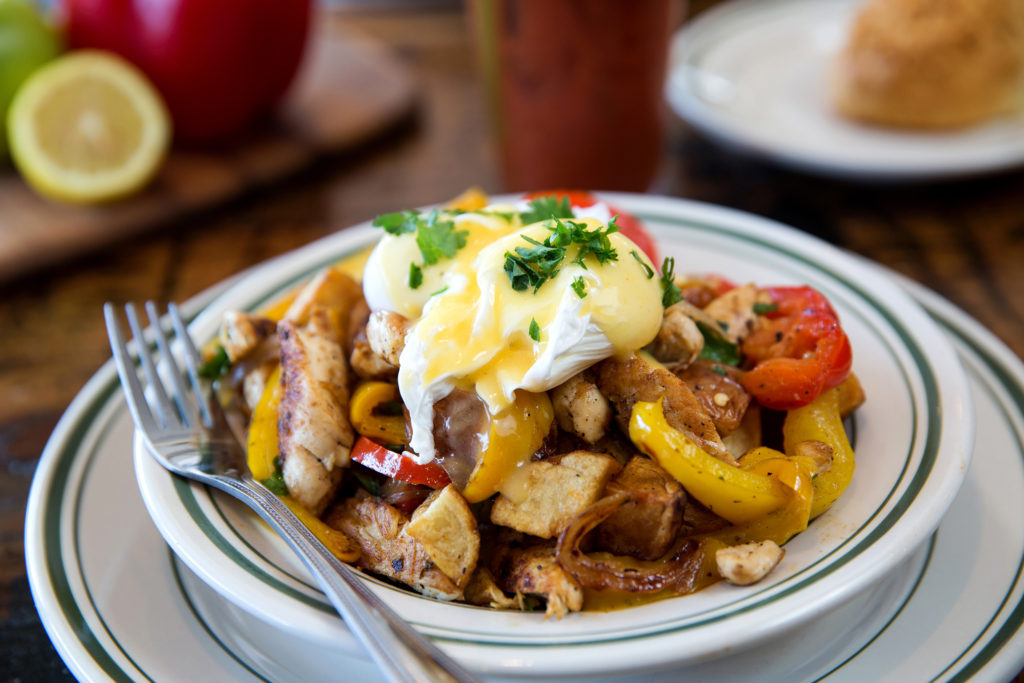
{"type": "Point", "coordinates": [313, 427]}
{"type": "Point", "coordinates": [628, 379]}
{"type": "Point", "coordinates": [385, 550]}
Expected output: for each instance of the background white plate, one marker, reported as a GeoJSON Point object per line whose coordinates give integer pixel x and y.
{"type": "Point", "coordinates": [114, 602]}
{"type": "Point", "coordinates": [752, 74]}
{"type": "Point", "coordinates": [913, 442]}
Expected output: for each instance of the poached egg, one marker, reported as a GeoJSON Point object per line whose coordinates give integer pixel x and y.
{"type": "Point", "coordinates": [472, 330]}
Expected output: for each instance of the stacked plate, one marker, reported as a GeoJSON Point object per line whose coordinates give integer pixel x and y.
{"type": "Point", "coordinates": [866, 592]}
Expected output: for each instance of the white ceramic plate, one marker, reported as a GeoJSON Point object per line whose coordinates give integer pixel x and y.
{"type": "Point", "coordinates": [752, 74]}
{"type": "Point", "coordinates": [119, 607]}
{"type": "Point", "coordinates": [913, 439]}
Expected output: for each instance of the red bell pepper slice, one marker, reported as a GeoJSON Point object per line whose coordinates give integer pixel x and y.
{"type": "Point", "coordinates": [799, 351]}
{"type": "Point", "coordinates": [629, 225]}
{"type": "Point", "coordinates": [397, 466]}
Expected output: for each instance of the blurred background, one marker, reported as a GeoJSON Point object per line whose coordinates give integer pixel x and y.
{"type": "Point", "coordinates": [152, 154]}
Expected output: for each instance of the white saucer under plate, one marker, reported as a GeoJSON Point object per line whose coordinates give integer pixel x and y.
{"type": "Point", "coordinates": [752, 74]}
{"type": "Point", "coordinates": [113, 601]}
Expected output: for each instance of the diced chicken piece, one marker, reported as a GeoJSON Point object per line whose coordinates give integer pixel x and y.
{"type": "Point", "coordinates": [386, 330]}
{"type": "Point", "coordinates": [446, 528]}
{"type": "Point", "coordinates": [484, 590]}
{"type": "Point", "coordinates": [748, 563]}
{"type": "Point", "coordinates": [747, 435]}
{"type": "Point", "coordinates": [628, 379]}
{"type": "Point", "coordinates": [735, 310]}
{"type": "Point", "coordinates": [330, 289]}
{"type": "Point", "coordinates": [314, 405]}
{"type": "Point", "coordinates": [679, 340]}
{"type": "Point", "coordinates": [534, 571]}
{"type": "Point", "coordinates": [367, 364]}
{"type": "Point", "coordinates": [385, 550]}
{"type": "Point", "coordinates": [818, 451]}
{"type": "Point", "coordinates": [544, 496]}
{"type": "Point", "coordinates": [719, 392]}
{"type": "Point", "coordinates": [241, 333]}
{"type": "Point", "coordinates": [646, 527]}
{"type": "Point", "coordinates": [581, 408]}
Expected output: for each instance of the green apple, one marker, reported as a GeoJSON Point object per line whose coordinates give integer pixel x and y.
{"type": "Point", "coordinates": [26, 43]}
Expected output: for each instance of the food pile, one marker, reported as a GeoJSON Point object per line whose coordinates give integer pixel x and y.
{"type": "Point", "coordinates": [518, 407]}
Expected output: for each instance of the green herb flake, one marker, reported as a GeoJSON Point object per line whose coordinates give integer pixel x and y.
{"type": "Point", "coordinates": [436, 235]}
{"type": "Point", "coordinates": [534, 330]}
{"type": "Point", "coordinates": [439, 239]}
{"type": "Point", "coordinates": [718, 349]}
{"type": "Point", "coordinates": [579, 285]}
{"type": "Point", "coordinates": [415, 276]}
{"type": "Point", "coordinates": [398, 223]}
{"type": "Point", "coordinates": [648, 271]}
{"type": "Point", "coordinates": [275, 482]}
{"type": "Point", "coordinates": [671, 294]}
{"type": "Point", "coordinates": [440, 291]}
{"type": "Point", "coordinates": [719, 370]}
{"type": "Point", "coordinates": [534, 265]}
{"type": "Point", "coordinates": [545, 208]}
{"type": "Point", "coordinates": [761, 308]}
{"type": "Point", "coordinates": [216, 366]}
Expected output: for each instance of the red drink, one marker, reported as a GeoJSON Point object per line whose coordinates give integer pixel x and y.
{"type": "Point", "coordinates": [575, 88]}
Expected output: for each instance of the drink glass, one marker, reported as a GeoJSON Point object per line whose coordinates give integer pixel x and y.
{"type": "Point", "coordinates": [575, 89]}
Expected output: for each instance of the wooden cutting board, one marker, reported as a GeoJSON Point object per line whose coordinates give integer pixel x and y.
{"type": "Point", "coordinates": [349, 90]}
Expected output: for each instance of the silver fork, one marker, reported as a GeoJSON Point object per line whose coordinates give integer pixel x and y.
{"type": "Point", "coordinates": [186, 431]}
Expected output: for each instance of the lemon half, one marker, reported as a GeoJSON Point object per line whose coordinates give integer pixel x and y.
{"type": "Point", "coordinates": [88, 127]}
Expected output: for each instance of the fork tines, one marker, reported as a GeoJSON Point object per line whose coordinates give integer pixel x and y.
{"type": "Point", "coordinates": [178, 409]}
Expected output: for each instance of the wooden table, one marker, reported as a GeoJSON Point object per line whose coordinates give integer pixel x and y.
{"type": "Point", "coordinates": [965, 240]}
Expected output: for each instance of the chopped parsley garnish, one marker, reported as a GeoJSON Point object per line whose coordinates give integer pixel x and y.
{"type": "Point", "coordinates": [648, 271]}
{"type": "Point", "coordinates": [533, 266]}
{"type": "Point", "coordinates": [398, 223]}
{"type": "Point", "coordinates": [440, 291]}
{"type": "Point", "coordinates": [534, 330]}
{"type": "Point", "coordinates": [439, 238]}
{"type": "Point", "coordinates": [415, 276]}
{"type": "Point", "coordinates": [217, 366]}
{"type": "Point", "coordinates": [544, 208]}
{"type": "Point", "coordinates": [717, 348]}
{"type": "Point", "coordinates": [436, 237]}
{"type": "Point", "coordinates": [761, 308]}
{"type": "Point", "coordinates": [579, 285]}
{"type": "Point", "coordinates": [275, 482]}
{"type": "Point", "coordinates": [671, 294]}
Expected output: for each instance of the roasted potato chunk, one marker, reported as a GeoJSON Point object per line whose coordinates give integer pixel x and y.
{"type": "Point", "coordinates": [544, 496]}
{"type": "Point", "coordinates": [446, 528]}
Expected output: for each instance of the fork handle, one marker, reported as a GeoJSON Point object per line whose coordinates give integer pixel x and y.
{"type": "Point", "coordinates": [402, 653]}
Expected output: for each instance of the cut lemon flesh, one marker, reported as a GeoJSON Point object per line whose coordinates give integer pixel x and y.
{"type": "Point", "coordinates": [88, 127]}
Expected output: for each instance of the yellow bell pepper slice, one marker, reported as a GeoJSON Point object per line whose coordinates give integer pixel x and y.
{"type": "Point", "coordinates": [732, 493]}
{"type": "Point", "coordinates": [820, 421]}
{"type": "Point", "coordinates": [261, 456]}
{"type": "Point", "coordinates": [472, 199]}
{"type": "Point", "coordinates": [386, 429]}
{"type": "Point", "coordinates": [782, 524]}
{"type": "Point", "coordinates": [514, 436]}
